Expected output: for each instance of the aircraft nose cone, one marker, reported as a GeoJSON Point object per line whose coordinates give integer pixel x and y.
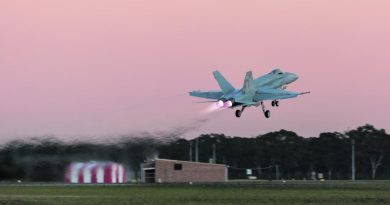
{"type": "Point", "coordinates": [291, 78]}
{"type": "Point", "coordinates": [295, 77]}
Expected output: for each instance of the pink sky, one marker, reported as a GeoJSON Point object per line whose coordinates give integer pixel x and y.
{"type": "Point", "coordinates": [96, 68]}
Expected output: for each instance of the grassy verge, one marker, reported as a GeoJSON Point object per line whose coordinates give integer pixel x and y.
{"type": "Point", "coordinates": [222, 194]}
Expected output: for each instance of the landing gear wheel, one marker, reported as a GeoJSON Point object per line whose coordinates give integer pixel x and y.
{"type": "Point", "coordinates": [277, 103]}
{"type": "Point", "coordinates": [267, 114]}
{"type": "Point", "coordinates": [238, 113]}
{"type": "Point", "coordinates": [273, 103]}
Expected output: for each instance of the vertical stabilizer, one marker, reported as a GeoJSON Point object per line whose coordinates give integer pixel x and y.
{"type": "Point", "coordinates": [249, 86]}
{"type": "Point", "coordinates": [225, 86]}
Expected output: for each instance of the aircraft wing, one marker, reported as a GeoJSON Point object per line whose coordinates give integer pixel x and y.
{"type": "Point", "coordinates": [274, 94]}
{"type": "Point", "coordinates": [214, 95]}
{"type": "Point", "coordinates": [245, 103]}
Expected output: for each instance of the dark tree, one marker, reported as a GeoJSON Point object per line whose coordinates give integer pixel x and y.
{"type": "Point", "coordinates": [371, 145]}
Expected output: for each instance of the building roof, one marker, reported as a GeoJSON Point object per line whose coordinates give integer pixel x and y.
{"type": "Point", "coordinates": [179, 161]}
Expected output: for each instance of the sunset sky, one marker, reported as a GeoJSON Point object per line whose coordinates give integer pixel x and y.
{"type": "Point", "coordinates": [89, 68]}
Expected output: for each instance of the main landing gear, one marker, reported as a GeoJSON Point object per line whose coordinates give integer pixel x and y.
{"type": "Point", "coordinates": [267, 113]}
{"type": "Point", "coordinates": [239, 112]}
{"type": "Point", "coordinates": [275, 103]}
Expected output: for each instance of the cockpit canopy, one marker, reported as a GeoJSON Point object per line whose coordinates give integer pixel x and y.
{"type": "Point", "coordinates": [277, 71]}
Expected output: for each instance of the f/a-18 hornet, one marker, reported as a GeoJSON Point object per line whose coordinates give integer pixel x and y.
{"type": "Point", "coordinates": [271, 86]}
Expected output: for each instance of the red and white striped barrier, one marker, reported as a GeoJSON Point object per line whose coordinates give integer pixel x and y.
{"type": "Point", "coordinates": [95, 172]}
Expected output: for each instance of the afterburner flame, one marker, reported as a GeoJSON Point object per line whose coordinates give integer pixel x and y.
{"type": "Point", "coordinates": [228, 104]}
{"type": "Point", "coordinates": [220, 103]}
{"type": "Point", "coordinates": [214, 107]}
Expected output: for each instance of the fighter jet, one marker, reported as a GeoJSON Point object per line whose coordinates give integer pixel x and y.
{"type": "Point", "coordinates": [254, 92]}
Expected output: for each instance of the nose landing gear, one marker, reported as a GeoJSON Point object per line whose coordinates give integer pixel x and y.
{"type": "Point", "coordinates": [275, 103]}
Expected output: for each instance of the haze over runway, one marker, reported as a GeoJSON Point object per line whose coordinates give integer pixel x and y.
{"type": "Point", "coordinates": [100, 68]}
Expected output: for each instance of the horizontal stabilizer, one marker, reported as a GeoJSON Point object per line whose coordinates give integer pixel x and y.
{"type": "Point", "coordinates": [214, 95]}
{"type": "Point", "coordinates": [212, 101]}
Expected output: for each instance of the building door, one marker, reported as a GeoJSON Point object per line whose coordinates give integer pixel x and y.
{"type": "Point", "coordinates": [150, 175]}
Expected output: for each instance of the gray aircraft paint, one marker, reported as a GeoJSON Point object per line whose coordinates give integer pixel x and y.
{"type": "Point", "coordinates": [270, 86]}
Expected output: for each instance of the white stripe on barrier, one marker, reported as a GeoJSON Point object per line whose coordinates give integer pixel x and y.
{"type": "Point", "coordinates": [74, 173]}
{"type": "Point", "coordinates": [87, 172]}
{"type": "Point", "coordinates": [113, 173]}
{"type": "Point", "coordinates": [100, 173]}
{"type": "Point", "coordinates": [120, 177]}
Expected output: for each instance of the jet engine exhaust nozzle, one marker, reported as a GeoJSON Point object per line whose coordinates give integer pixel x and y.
{"type": "Point", "coordinates": [228, 104]}
{"type": "Point", "coordinates": [220, 103]}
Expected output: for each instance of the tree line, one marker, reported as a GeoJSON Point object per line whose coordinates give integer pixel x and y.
{"type": "Point", "coordinates": [295, 157]}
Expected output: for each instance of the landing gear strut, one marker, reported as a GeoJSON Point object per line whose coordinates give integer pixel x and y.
{"type": "Point", "coordinates": [267, 113]}
{"type": "Point", "coordinates": [239, 112]}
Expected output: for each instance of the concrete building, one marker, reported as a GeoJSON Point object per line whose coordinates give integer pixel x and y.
{"type": "Point", "coordinates": [173, 171]}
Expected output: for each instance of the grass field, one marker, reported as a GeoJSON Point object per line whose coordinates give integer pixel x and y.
{"type": "Point", "coordinates": [236, 193]}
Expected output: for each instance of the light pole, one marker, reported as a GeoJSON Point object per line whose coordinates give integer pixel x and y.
{"type": "Point", "coordinates": [190, 151]}
{"type": "Point", "coordinates": [196, 150]}
{"type": "Point", "coordinates": [214, 154]}
{"type": "Point", "coordinates": [353, 158]}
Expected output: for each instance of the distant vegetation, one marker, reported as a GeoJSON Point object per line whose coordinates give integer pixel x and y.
{"type": "Point", "coordinates": [297, 157]}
